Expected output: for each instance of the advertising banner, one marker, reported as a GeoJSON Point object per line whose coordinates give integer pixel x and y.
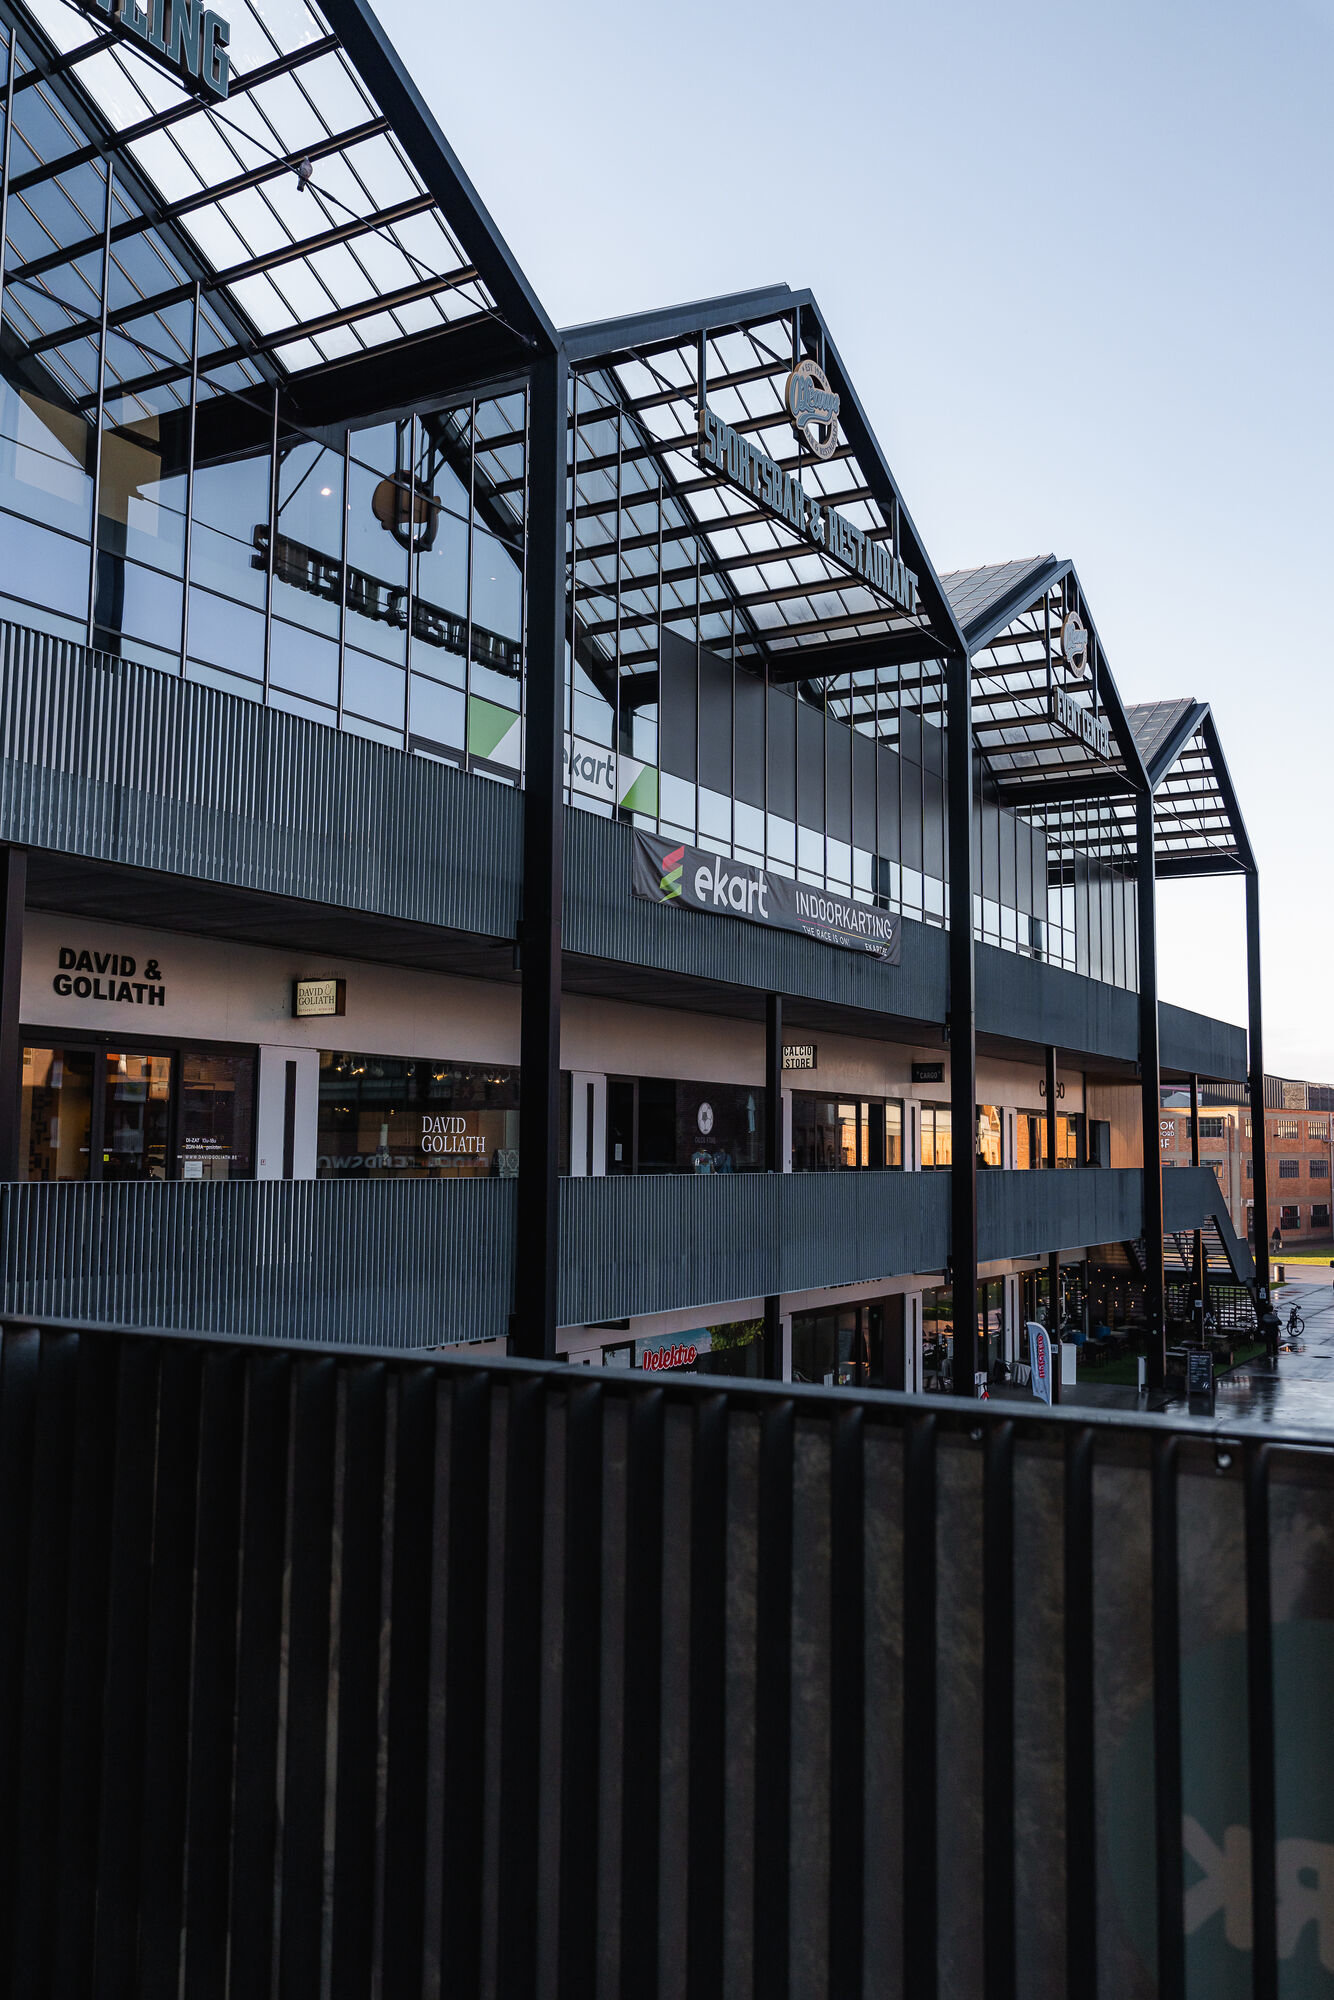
{"type": "Point", "coordinates": [1039, 1350]}
{"type": "Point", "coordinates": [666, 872]}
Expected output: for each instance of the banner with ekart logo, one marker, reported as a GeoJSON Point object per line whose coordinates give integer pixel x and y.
{"type": "Point", "coordinates": [665, 872]}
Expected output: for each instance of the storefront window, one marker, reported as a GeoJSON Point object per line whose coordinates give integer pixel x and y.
{"type": "Point", "coordinates": [55, 1142]}
{"type": "Point", "coordinates": [214, 1128]}
{"type": "Point", "coordinates": [937, 1149]}
{"type": "Point", "coordinates": [656, 1125]}
{"type": "Point", "coordinates": [846, 1346]}
{"type": "Point", "coordinates": [416, 1116]}
{"type": "Point", "coordinates": [938, 1334]}
{"type": "Point", "coordinates": [989, 1136]}
{"type": "Point", "coordinates": [1031, 1137]}
{"type": "Point", "coordinates": [117, 1114]}
{"type": "Point", "coordinates": [136, 1115]}
{"type": "Point", "coordinates": [828, 1132]}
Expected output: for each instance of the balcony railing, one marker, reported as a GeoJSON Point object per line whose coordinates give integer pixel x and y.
{"type": "Point", "coordinates": [428, 1263]}
{"type": "Point", "coordinates": [341, 1674]}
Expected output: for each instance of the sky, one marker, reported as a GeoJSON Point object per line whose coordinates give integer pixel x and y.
{"type": "Point", "coordinates": [1079, 263]}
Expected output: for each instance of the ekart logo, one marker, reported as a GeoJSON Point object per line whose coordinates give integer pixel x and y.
{"type": "Point", "coordinates": [673, 867]}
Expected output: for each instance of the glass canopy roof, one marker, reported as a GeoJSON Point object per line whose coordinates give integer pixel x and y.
{"type": "Point", "coordinates": [799, 614]}
{"type": "Point", "coordinates": [293, 204]}
{"type": "Point", "coordinates": [1012, 616]}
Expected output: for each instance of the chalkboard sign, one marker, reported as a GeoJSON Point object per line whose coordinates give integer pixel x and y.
{"type": "Point", "coordinates": [1199, 1372]}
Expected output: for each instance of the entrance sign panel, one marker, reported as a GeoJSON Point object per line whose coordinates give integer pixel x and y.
{"type": "Point", "coordinates": [662, 874]}
{"type": "Point", "coordinates": [1092, 730]}
{"type": "Point", "coordinates": [721, 449]}
{"type": "Point", "coordinates": [182, 36]}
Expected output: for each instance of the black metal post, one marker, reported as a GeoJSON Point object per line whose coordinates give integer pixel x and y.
{"type": "Point", "coordinates": [962, 1025]}
{"type": "Point", "coordinates": [773, 1339]}
{"type": "Point", "coordinates": [1053, 1256]}
{"type": "Point", "coordinates": [1259, 1150]}
{"type": "Point", "coordinates": [13, 892]}
{"type": "Point", "coordinates": [1201, 1270]}
{"type": "Point", "coordinates": [537, 1241]}
{"type": "Point", "coordinates": [773, 1083]}
{"type": "Point", "coordinates": [1150, 1102]}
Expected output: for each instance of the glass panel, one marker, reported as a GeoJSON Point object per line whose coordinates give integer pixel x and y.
{"type": "Point", "coordinates": [216, 1117]}
{"type": "Point", "coordinates": [137, 1093]}
{"type": "Point", "coordinates": [46, 456]}
{"type": "Point", "coordinates": [440, 557]}
{"type": "Point", "coordinates": [988, 1135]}
{"type": "Point", "coordinates": [380, 532]}
{"type": "Point", "coordinates": [308, 553]}
{"type": "Point", "coordinates": [55, 1131]}
{"type": "Point", "coordinates": [229, 536]}
{"type": "Point", "coordinates": [418, 1117]}
{"type": "Point", "coordinates": [894, 1132]}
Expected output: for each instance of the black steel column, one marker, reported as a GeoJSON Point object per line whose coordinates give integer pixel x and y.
{"type": "Point", "coordinates": [1201, 1273]}
{"type": "Point", "coordinates": [1150, 1102]}
{"type": "Point", "coordinates": [773, 1083]}
{"type": "Point", "coordinates": [1053, 1256]}
{"type": "Point", "coordinates": [1259, 1159]}
{"type": "Point", "coordinates": [773, 1161]}
{"type": "Point", "coordinates": [537, 1243]}
{"type": "Point", "coordinates": [962, 1025]}
{"type": "Point", "coordinates": [13, 890]}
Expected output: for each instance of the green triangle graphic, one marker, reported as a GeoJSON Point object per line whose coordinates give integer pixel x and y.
{"type": "Point", "coordinates": [488, 725]}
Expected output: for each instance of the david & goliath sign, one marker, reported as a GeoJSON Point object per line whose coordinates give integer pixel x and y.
{"type": "Point", "coordinates": [700, 881]}
{"type": "Point", "coordinates": [182, 36]}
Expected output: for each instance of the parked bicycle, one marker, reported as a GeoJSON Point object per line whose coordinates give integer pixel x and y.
{"type": "Point", "coordinates": [1294, 1324]}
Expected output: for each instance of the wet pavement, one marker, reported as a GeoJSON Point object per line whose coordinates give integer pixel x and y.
{"type": "Point", "coordinates": [1298, 1391]}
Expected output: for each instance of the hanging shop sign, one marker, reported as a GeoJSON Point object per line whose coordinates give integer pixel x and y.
{"type": "Point", "coordinates": [318, 999]}
{"type": "Point", "coordinates": [813, 408]}
{"type": "Point", "coordinates": [725, 888]}
{"type": "Point", "coordinates": [109, 975]}
{"type": "Point", "coordinates": [1074, 639]}
{"type": "Point", "coordinates": [928, 1072]}
{"type": "Point", "coordinates": [744, 465]}
{"type": "Point", "coordinates": [799, 1055]}
{"type": "Point", "coordinates": [1092, 730]}
{"type": "Point", "coordinates": [182, 36]}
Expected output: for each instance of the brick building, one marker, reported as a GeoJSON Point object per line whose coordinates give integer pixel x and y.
{"type": "Point", "coordinates": [1299, 1129]}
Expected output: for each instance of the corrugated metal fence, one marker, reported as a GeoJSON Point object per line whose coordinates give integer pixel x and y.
{"type": "Point", "coordinates": [426, 1263]}
{"type": "Point", "coordinates": [327, 1674]}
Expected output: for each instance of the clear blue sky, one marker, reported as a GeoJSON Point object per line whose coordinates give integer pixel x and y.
{"type": "Point", "coordinates": [1078, 262]}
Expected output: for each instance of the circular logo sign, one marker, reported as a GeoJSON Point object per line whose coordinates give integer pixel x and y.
{"type": "Point", "coordinates": [704, 1118]}
{"type": "Point", "coordinates": [1074, 640]}
{"type": "Point", "coordinates": [813, 408]}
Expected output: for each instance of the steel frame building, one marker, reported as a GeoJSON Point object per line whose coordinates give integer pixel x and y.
{"type": "Point", "coordinates": [277, 727]}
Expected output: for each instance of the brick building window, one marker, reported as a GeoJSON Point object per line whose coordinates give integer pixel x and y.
{"type": "Point", "coordinates": [1292, 1218]}
{"type": "Point", "coordinates": [1320, 1170]}
{"type": "Point", "coordinates": [1212, 1128]}
{"type": "Point", "coordinates": [1250, 1170]}
{"type": "Point", "coordinates": [1287, 1128]}
{"type": "Point", "coordinates": [1289, 1170]}
{"type": "Point", "coordinates": [1320, 1215]}
{"type": "Point", "coordinates": [1317, 1128]}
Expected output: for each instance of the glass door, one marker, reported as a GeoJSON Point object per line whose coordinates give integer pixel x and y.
{"type": "Point", "coordinates": [136, 1115]}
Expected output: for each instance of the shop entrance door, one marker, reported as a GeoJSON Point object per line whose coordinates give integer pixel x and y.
{"type": "Point", "coordinates": [136, 1115]}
